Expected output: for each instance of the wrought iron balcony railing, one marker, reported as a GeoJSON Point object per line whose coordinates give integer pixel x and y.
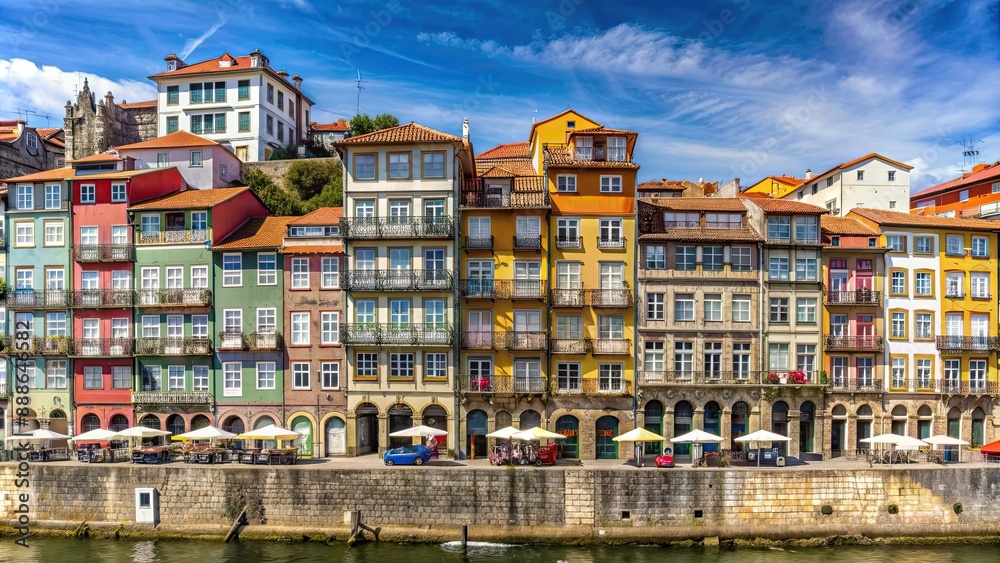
{"type": "Point", "coordinates": [863, 384]}
{"type": "Point", "coordinates": [611, 243]}
{"type": "Point", "coordinates": [174, 237]}
{"type": "Point", "coordinates": [533, 243]}
{"type": "Point", "coordinates": [567, 297]}
{"type": "Point", "coordinates": [719, 377]}
{"type": "Point", "coordinates": [524, 340]}
{"type": "Point", "coordinates": [38, 346]}
{"type": "Point", "coordinates": [853, 343]}
{"type": "Point", "coordinates": [569, 345]}
{"type": "Point", "coordinates": [90, 298]}
{"type": "Point", "coordinates": [355, 228]}
{"type": "Point", "coordinates": [264, 341]}
{"type": "Point", "coordinates": [504, 289]}
{"type": "Point", "coordinates": [500, 384]}
{"type": "Point", "coordinates": [976, 386]}
{"type": "Point", "coordinates": [397, 280]}
{"type": "Point", "coordinates": [609, 346]}
{"type": "Point", "coordinates": [230, 340]}
{"type": "Point", "coordinates": [173, 346]}
{"type": "Point", "coordinates": [37, 299]}
{"type": "Point", "coordinates": [147, 397]}
{"type": "Point", "coordinates": [569, 242]}
{"type": "Point", "coordinates": [91, 347]}
{"type": "Point", "coordinates": [592, 386]}
{"type": "Point", "coordinates": [610, 298]}
{"type": "Point", "coordinates": [968, 343]}
{"type": "Point", "coordinates": [474, 196]}
{"type": "Point", "coordinates": [479, 243]}
{"type": "Point", "coordinates": [174, 297]}
{"type": "Point", "coordinates": [388, 334]}
{"type": "Point", "coordinates": [481, 340]}
{"type": "Point", "coordinates": [103, 252]}
{"type": "Point", "coordinates": [854, 297]}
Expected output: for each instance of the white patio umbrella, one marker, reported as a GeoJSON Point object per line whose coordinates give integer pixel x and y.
{"type": "Point", "coordinates": [503, 433]}
{"type": "Point", "coordinates": [909, 443]}
{"type": "Point", "coordinates": [419, 431]}
{"type": "Point", "coordinates": [697, 437]}
{"type": "Point", "coordinates": [947, 441]}
{"type": "Point", "coordinates": [762, 436]}
{"type": "Point", "coordinates": [97, 434]}
{"type": "Point", "coordinates": [882, 439]}
{"type": "Point", "coordinates": [269, 432]}
{"type": "Point", "coordinates": [37, 435]}
{"type": "Point", "coordinates": [206, 433]}
{"type": "Point", "coordinates": [533, 434]}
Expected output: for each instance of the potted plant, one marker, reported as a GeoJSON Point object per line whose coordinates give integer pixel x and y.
{"type": "Point", "coordinates": [772, 378]}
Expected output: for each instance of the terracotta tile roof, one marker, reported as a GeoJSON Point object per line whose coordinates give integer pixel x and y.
{"type": "Point", "coordinates": [138, 105]}
{"type": "Point", "coordinates": [989, 172]}
{"type": "Point", "coordinates": [743, 234]}
{"type": "Point", "coordinates": [338, 126]}
{"type": "Point", "coordinates": [191, 199]}
{"type": "Point", "coordinates": [696, 203]}
{"type": "Point", "coordinates": [888, 218]}
{"type": "Point", "coordinates": [236, 64]}
{"type": "Point", "coordinates": [45, 175]}
{"type": "Point", "coordinates": [322, 216]}
{"type": "Point", "coordinates": [48, 131]}
{"type": "Point", "coordinates": [174, 140]}
{"type": "Point", "coordinates": [663, 185]}
{"type": "Point", "coordinates": [507, 150]}
{"type": "Point", "coordinates": [844, 226]}
{"type": "Point", "coordinates": [770, 205]}
{"type": "Point", "coordinates": [6, 135]}
{"type": "Point", "coordinates": [314, 249]}
{"type": "Point", "coordinates": [601, 131]}
{"type": "Point", "coordinates": [408, 133]}
{"type": "Point", "coordinates": [851, 163]}
{"type": "Point", "coordinates": [120, 175]}
{"type": "Point", "coordinates": [257, 232]}
{"type": "Point", "coordinates": [560, 156]}
{"type": "Point", "coordinates": [102, 157]}
{"type": "Point", "coordinates": [56, 141]}
{"type": "Point", "coordinates": [507, 169]}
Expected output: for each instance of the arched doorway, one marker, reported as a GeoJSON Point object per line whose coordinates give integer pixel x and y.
{"type": "Point", "coordinates": [838, 430]}
{"type": "Point", "coordinates": [898, 425]}
{"type": "Point", "coordinates": [569, 426]}
{"type": "Point", "coordinates": [58, 422]}
{"type": "Point", "coordinates": [90, 422]}
{"type": "Point", "coordinates": [738, 424]}
{"type": "Point", "coordinates": [503, 419]}
{"type": "Point", "coordinates": [779, 423]}
{"type": "Point", "coordinates": [150, 421]}
{"type": "Point", "coordinates": [30, 422]}
{"type": "Point", "coordinates": [304, 428]}
{"type": "Point", "coordinates": [978, 427]}
{"type": "Point", "coordinates": [234, 424]}
{"type": "Point", "coordinates": [260, 423]}
{"type": "Point", "coordinates": [200, 421]}
{"type": "Point", "coordinates": [865, 415]}
{"type": "Point", "coordinates": [367, 428]}
{"type": "Point", "coordinates": [607, 429]}
{"type": "Point", "coordinates": [400, 418]}
{"type": "Point", "coordinates": [925, 422]}
{"type": "Point", "coordinates": [713, 423]}
{"type": "Point", "coordinates": [175, 424]}
{"type": "Point", "coordinates": [807, 426]}
{"type": "Point", "coordinates": [653, 421]}
{"type": "Point", "coordinates": [955, 431]}
{"type": "Point", "coordinates": [436, 417]}
{"type": "Point", "coordinates": [682, 425]}
{"type": "Point", "coordinates": [476, 429]}
{"type": "Point", "coordinates": [118, 423]}
{"type": "Point", "coordinates": [529, 419]}
{"type": "Point", "coordinates": [336, 437]}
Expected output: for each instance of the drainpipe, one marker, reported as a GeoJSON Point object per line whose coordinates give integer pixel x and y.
{"type": "Point", "coordinates": [635, 308]}
{"type": "Point", "coordinates": [548, 274]}
{"type": "Point", "coordinates": [456, 309]}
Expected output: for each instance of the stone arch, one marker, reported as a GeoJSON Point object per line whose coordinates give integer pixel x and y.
{"type": "Point", "coordinates": [118, 422]}
{"type": "Point", "coordinates": [528, 419]}
{"type": "Point", "coordinates": [90, 421]}
{"type": "Point", "coordinates": [200, 421]}
{"type": "Point", "coordinates": [502, 419]}
{"type": "Point", "coordinates": [151, 421]}
{"type": "Point", "coordinates": [234, 423]}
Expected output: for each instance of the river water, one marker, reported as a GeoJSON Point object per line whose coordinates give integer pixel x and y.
{"type": "Point", "coordinates": [109, 551]}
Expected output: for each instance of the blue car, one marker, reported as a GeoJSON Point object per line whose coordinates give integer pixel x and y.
{"type": "Point", "coordinates": [407, 455]}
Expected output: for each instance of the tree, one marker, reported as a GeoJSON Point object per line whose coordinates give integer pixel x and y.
{"type": "Point", "coordinates": [285, 153]}
{"type": "Point", "coordinates": [385, 121]}
{"type": "Point", "coordinates": [361, 124]}
{"type": "Point", "coordinates": [317, 183]}
{"type": "Point", "coordinates": [277, 200]}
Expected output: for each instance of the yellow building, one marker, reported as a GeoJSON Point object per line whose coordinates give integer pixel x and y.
{"type": "Point", "coordinates": [776, 186]}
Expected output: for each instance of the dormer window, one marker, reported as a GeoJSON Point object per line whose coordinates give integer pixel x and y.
{"type": "Point", "coordinates": [584, 148]}
{"type": "Point", "coordinates": [571, 124]}
{"type": "Point", "coordinates": [835, 241]}
{"type": "Point", "coordinates": [225, 63]}
{"type": "Point", "coordinates": [171, 65]}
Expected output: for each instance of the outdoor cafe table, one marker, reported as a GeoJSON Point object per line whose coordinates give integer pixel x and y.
{"type": "Point", "coordinates": [49, 454]}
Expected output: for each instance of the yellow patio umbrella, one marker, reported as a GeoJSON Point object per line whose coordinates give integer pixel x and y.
{"type": "Point", "coordinates": [639, 435]}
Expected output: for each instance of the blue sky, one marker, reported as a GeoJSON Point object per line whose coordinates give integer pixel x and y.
{"type": "Point", "coordinates": [716, 88]}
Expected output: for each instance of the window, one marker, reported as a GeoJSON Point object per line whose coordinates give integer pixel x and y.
{"type": "Point", "coordinates": [653, 358]}
{"type": "Point", "coordinates": [401, 365]}
{"type": "Point", "coordinates": [898, 282]}
{"type": "Point", "coordinates": [269, 125]}
{"type": "Point", "coordinates": [266, 320]}
{"type": "Point", "coordinates": [807, 230]}
{"type": "Point", "coordinates": [87, 195]}
{"type": "Point", "coordinates": [300, 273]}
{"type": "Point", "coordinates": [684, 307]}
{"type": "Point", "coordinates": [175, 378]}
{"type": "Point", "coordinates": [779, 228]}
{"type": "Point", "coordinates": [433, 164]}
{"type": "Point", "coordinates": [683, 357]}
{"type": "Point", "coordinates": [609, 377]}
{"type": "Point", "coordinates": [55, 325]}
{"type": "Point", "coordinates": [243, 90]}
{"type": "Point", "coordinates": [898, 373]}
{"type": "Point", "coordinates": [117, 193]}
{"type": "Point", "coordinates": [777, 357]}
{"type": "Point", "coordinates": [713, 307]}
{"type": "Point", "coordinates": [568, 376]}
{"type": "Point", "coordinates": [896, 243]}
{"type": "Point", "coordinates": [611, 184]}
{"type": "Point", "coordinates": [861, 175]}
{"type": "Point", "coordinates": [173, 95]}
{"type": "Point", "coordinates": [805, 310]}
{"type": "Point", "coordinates": [741, 258]}
{"type": "Point", "coordinates": [806, 266]}
{"type": "Point", "coordinates": [331, 273]}
{"type": "Point", "coordinates": [924, 323]}
{"type": "Point", "coordinates": [54, 233]}
{"type": "Point", "coordinates": [741, 308]}
{"type": "Point", "coordinates": [684, 258]}
{"type": "Point", "coordinates": [892, 176]}
{"type": "Point", "coordinates": [367, 365]}
{"type": "Point", "coordinates": [954, 245]}
{"type": "Point", "coordinates": [364, 167]}
{"type": "Point", "coordinates": [682, 220]}
{"type": "Point", "coordinates": [270, 93]}
{"type": "Point", "coordinates": [779, 309]}
{"type": "Point", "coordinates": [267, 269]}
{"type": "Point", "coordinates": [55, 374]}
{"type": "Point", "coordinates": [656, 257]}
{"type": "Point", "coordinates": [330, 375]}
{"type": "Point", "coordinates": [232, 375]}
{"type": "Point", "coordinates": [92, 377]}
{"type": "Point", "coordinates": [923, 284]}
{"type": "Point", "coordinates": [53, 197]}
{"type": "Point", "coordinates": [199, 326]}
{"type": "Point", "coordinates": [435, 365]}
{"type": "Point", "coordinates": [805, 358]}
{"type": "Point", "coordinates": [892, 205]}
{"type": "Point", "coordinates": [281, 100]}
{"type": "Point", "coordinates": [232, 270]}
{"type": "Point", "coordinates": [980, 247]}
{"type": "Point", "coordinates": [583, 148]}
{"type": "Point", "coordinates": [923, 245]}
{"type": "Point", "coordinates": [610, 327]}
{"type": "Point", "coordinates": [364, 311]}
{"type": "Point", "coordinates": [569, 327]}
{"type": "Point", "coordinates": [980, 285]}
{"type": "Point", "coordinates": [26, 197]}
{"type": "Point", "coordinates": [330, 321]}
{"type": "Point", "coordinates": [199, 277]}
{"type": "Point", "coordinates": [616, 149]}
{"type": "Point", "coordinates": [566, 183]}
{"type": "Point", "coordinates": [300, 329]}
{"type": "Point", "coordinates": [265, 375]}
{"type": "Point", "coordinates": [209, 123]}
{"type": "Point", "coordinates": [954, 284]}
{"type": "Point", "coordinates": [611, 230]}
{"type": "Point", "coordinates": [399, 166]}
{"type": "Point", "coordinates": [711, 258]}
{"type": "Point", "coordinates": [778, 269]}
{"type": "Point", "coordinates": [654, 307]}
{"type": "Point", "coordinates": [963, 195]}
{"type": "Point", "coordinates": [300, 375]}
{"type": "Point", "coordinates": [175, 277]}
{"type": "Point", "coordinates": [172, 125]}
{"type": "Point", "coordinates": [898, 328]}
{"type": "Point", "coordinates": [243, 121]}
{"type": "Point", "coordinates": [121, 377]}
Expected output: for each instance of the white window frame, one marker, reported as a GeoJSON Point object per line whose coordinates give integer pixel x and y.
{"type": "Point", "coordinates": [330, 278]}
{"type": "Point", "coordinates": [327, 370]}
{"type": "Point", "coordinates": [231, 278]}
{"type": "Point", "coordinates": [301, 321]}
{"type": "Point", "coordinates": [88, 195]}
{"type": "Point", "coordinates": [232, 379]}
{"type": "Point", "coordinates": [300, 273]}
{"type": "Point", "coordinates": [267, 276]}
{"type": "Point", "coordinates": [264, 381]}
{"type": "Point", "coordinates": [330, 327]}
{"type": "Point", "coordinates": [566, 183]}
{"type": "Point", "coordinates": [611, 184]}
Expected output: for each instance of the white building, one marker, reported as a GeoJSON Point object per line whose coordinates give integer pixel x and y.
{"type": "Point", "coordinates": [872, 181]}
{"type": "Point", "coordinates": [204, 164]}
{"type": "Point", "coordinates": [241, 102]}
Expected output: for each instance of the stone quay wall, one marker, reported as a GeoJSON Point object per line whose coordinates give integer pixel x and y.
{"type": "Point", "coordinates": [524, 504]}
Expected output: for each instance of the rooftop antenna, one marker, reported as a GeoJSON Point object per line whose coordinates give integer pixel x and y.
{"type": "Point", "coordinates": [970, 152]}
{"type": "Point", "coordinates": [360, 88]}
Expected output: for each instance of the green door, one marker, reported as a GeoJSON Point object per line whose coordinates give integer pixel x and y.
{"type": "Point", "coordinates": [607, 429]}
{"type": "Point", "coordinates": [568, 426]}
{"type": "Point", "coordinates": [304, 442]}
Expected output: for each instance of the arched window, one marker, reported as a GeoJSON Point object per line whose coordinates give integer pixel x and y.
{"type": "Point", "coordinates": [118, 423]}
{"type": "Point", "coordinates": [89, 422]}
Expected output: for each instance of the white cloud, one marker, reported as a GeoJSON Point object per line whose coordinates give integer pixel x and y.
{"type": "Point", "coordinates": [193, 44]}
{"type": "Point", "coordinates": [45, 90]}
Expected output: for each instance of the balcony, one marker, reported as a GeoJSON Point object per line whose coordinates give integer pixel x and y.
{"type": "Point", "coordinates": [834, 343]}
{"type": "Point", "coordinates": [397, 280]}
{"type": "Point", "coordinates": [959, 344]}
{"type": "Point", "coordinates": [376, 334]}
{"type": "Point", "coordinates": [529, 243]}
{"type": "Point", "coordinates": [500, 384]}
{"type": "Point", "coordinates": [199, 236]}
{"type": "Point", "coordinates": [611, 243]}
{"type": "Point", "coordinates": [478, 243]}
{"type": "Point", "coordinates": [569, 242]}
{"type": "Point", "coordinates": [855, 297]}
{"type": "Point", "coordinates": [173, 346]}
{"type": "Point", "coordinates": [37, 299]}
{"type": "Point", "coordinates": [480, 341]}
{"type": "Point", "coordinates": [62, 205]}
{"type": "Point", "coordinates": [266, 341]}
{"type": "Point", "coordinates": [172, 397]}
{"type": "Point", "coordinates": [524, 340]}
{"type": "Point", "coordinates": [93, 298]}
{"type": "Point", "coordinates": [103, 253]}
{"type": "Point", "coordinates": [4, 389]}
{"type": "Point", "coordinates": [231, 340]}
{"type": "Point", "coordinates": [916, 384]}
{"type": "Point", "coordinates": [101, 347]}
{"type": "Point", "coordinates": [609, 346]}
{"type": "Point", "coordinates": [504, 289]}
{"type": "Point", "coordinates": [529, 192]}
{"type": "Point", "coordinates": [863, 384]}
{"type": "Point", "coordinates": [360, 228]}
{"type": "Point", "coordinates": [745, 377]}
{"type": "Point", "coordinates": [610, 298]}
{"type": "Point", "coordinates": [569, 346]}
{"type": "Point", "coordinates": [567, 297]}
{"type": "Point", "coordinates": [38, 346]}
{"type": "Point", "coordinates": [175, 297]}
{"type": "Point", "coordinates": [969, 387]}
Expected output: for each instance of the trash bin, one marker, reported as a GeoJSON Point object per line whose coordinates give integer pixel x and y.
{"type": "Point", "coordinates": [781, 461]}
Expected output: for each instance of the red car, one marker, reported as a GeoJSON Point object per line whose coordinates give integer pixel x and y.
{"type": "Point", "coordinates": [666, 459]}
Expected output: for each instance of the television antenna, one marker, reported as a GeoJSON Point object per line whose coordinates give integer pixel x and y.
{"type": "Point", "coordinates": [360, 88]}
{"type": "Point", "coordinates": [970, 152]}
{"type": "Point", "coordinates": [28, 112]}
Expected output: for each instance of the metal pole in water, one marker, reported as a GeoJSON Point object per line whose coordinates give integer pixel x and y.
{"type": "Point", "coordinates": [465, 536]}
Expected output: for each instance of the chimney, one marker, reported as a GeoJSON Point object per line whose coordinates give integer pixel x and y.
{"type": "Point", "coordinates": [809, 174]}
{"type": "Point", "coordinates": [465, 129]}
{"type": "Point", "coordinates": [283, 75]}
{"type": "Point", "coordinates": [298, 81]}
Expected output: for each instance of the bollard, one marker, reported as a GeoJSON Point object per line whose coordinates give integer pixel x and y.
{"type": "Point", "coordinates": [465, 535]}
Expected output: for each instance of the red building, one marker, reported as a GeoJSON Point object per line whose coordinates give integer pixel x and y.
{"type": "Point", "coordinates": [101, 341]}
{"type": "Point", "coordinates": [973, 194]}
